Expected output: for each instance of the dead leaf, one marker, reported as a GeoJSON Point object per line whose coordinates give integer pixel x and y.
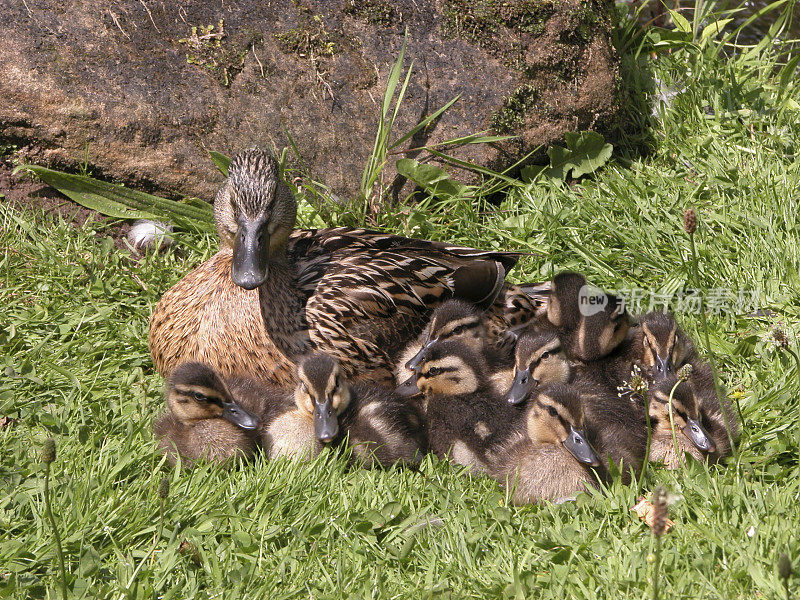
{"type": "Point", "coordinates": [646, 512]}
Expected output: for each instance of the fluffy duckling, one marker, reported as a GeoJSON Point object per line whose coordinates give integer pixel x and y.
{"type": "Point", "coordinates": [618, 423]}
{"type": "Point", "coordinates": [552, 459]}
{"type": "Point", "coordinates": [465, 417]}
{"type": "Point", "coordinates": [538, 358]}
{"type": "Point", "coordinates": [665, 347]}
{"type": "Point", "coordinates": [202, 420]}
{"type": "Point", "coordinates": [454, 320]}
{"type": "Point", "coordinates": [590, 322]}
{"type": "Point", "coordinates": [693, 426]}
{"type": "Point", "coordinates": [382, 429]}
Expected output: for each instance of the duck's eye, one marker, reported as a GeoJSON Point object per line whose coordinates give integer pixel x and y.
{"type": "Point", "coordinates": [545, 355]}
{"type": "Point", "coordinates": [434, 371]}
{"type": "Point", "coordinates": [200, 397]}
{"type": "Point", "coordinates": [459, 330]}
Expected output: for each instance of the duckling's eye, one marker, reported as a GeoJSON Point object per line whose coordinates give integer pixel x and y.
{"type": "Point", "coordinates": [434, 371]}
{"type": "Point", "coordinates": [545, 355]}
{"type": "Point", "coordinates": [200, 397]}
{"type": "Point", "coordinates": [459, 330]}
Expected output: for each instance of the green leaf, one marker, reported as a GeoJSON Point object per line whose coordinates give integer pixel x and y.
{"type": "Point", "coordinates": [713, 29]}
{"type": "Point", "coordinates": [681, 23]}
{"type": "Point", "coordinates": [117, 201]}
{"type": "Point", "coordinates": [220, 161]}
{"type": "Point", "coordinates": [589, 152]}
{"type": "Point", "coordinates": [435, 180]}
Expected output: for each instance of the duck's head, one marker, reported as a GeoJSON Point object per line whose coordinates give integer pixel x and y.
{"type": "Point", "coordinates": [685, 412]}
{"type": "Point", "coordinates": [451, 368]}
{"type": "Point", "coordinates": [592, 322]}
{"type": "Point", "coordinates": [556, 417]}
{"type": "Point", "coordinates": [195, 392]}
{"type": "Point", "coordinates": [665, 347]}
{"type": "Point", "coordinates": [254, 212]}
{"type": "Point", "coordinates": [323, 393]}
{"type": "Point", "coordinates": [538, 359]}
{"type": "Point", "coordinates": [453, 320]}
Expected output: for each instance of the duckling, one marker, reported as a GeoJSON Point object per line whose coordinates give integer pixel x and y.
{"type": "Point", "coordinates": [665, 347]}
{"type": "Point", "coordinates": [552, 458]}
{"type": "Point", "coordinates": [464, 415]}
{"type": "Point", "coordinates": [691, 426]}
{"type": "Point", "coordinates": [591, 323]}
{"type": "Point", "coordinates": [271, 295]}
{"type": "Point", "coordinates": [618, 423]}
{"type": "Point", "coordinates": [381, 428]}
{"type": "Point", "coordinates": [454, 320]}
{"type": "Point", "coordinates": [202, 420]}
{"type": "Point", "coordinates": [538, 358]}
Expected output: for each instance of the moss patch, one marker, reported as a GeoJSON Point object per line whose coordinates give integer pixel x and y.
{"type": "Point", "coordinates": [210, 47]}
{"type": "Point", "coordinates": [309, 40]}
{"type": "Point", "coordinates": [515, 107]}
{"type": "Point", "coordinates": [377, 12]}
{"type": "Point", "coordinates": [492, 24]}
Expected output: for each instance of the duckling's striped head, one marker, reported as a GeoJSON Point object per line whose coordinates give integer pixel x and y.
{"type": "Point", "coordinates": [592, 322]}
{"type": "Point", "coordinates": [254, 212]}
{"type": "Point", "coordinates": [453, 320]}
{"type": "Point", "coordinates": [665, 347]}
{"type": "Point", "coordinates": [556, 417]}
{"type": "Point", "coordinates": [323, 393]}
{"type": "Point", "coordinates": [538, 359]}
{"type": "Point", "coordinates": [685, 412]}
{"type": "Point", "coordinates": [452, 369]}
{"type": "Point", "coordinates": [195, 392]}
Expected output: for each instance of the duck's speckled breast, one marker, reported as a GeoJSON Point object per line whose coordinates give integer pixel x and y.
{"type": "Point", "coordinates": [207, 318]}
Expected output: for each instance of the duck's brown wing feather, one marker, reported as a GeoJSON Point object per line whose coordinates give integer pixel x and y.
{"type": "Point", "coordinates": [378, 291]}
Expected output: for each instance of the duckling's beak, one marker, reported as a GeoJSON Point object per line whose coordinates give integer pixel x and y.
{"type": "Point", "coordinates": [409, 387]}
{"type": "Point", "coordinates": [239, 416]}
{"type": "Point", "coordinates": [662, 368]}
{"type": "Point", "coordinates": [420, 356]}
{"type": "Point", "coordinates": [699, 436]}
{"type": "Point", "coordinates": [580, 448]}
{"type": "Point", "coordinates": [326, 425]}
{"type": "Point", "coordinates": [250, 253]}
{"type": "Point", "coordinates": [522, 386]}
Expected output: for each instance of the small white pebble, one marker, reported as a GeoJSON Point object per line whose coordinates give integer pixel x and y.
{"type": "Point", "coordinates": [145, 234]}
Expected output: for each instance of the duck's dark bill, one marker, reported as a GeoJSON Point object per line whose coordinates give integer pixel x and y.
{"type": "Point", "coordinates": [580, 448]}
{"type": "Point", "coordinates": [522, 386]}
{"type": "Point", "coordinates": [408, 387]}
{"type": "Point", "coordinates": [326, 425]}
{"type": "Point", "coordinates": [239, 416]}
{"type": "Point", "coordinates": [699, 436]}
{"type": "Point", "coordinates": [662, 368]}
{"type": "Point", "coordinates": [420, 356]}
{"type": "Point", "coordinates": [250, 265]}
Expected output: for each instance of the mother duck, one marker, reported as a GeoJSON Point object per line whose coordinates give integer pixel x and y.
{"type": "Point", "coordinates": [272, 294]}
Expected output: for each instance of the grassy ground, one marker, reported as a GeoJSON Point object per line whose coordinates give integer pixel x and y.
{"type": "Point", "coordinates": [75, 366]}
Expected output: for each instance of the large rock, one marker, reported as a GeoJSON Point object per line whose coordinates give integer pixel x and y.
{"type": "Point", "coordinates": [145, 88]}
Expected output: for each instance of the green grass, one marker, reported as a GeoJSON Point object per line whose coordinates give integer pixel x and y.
{"type": "Point", "coordinates": [75, 366]}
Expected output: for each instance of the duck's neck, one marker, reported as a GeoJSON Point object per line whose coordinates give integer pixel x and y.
{"type": "Point", "coordinates": [283, 308]}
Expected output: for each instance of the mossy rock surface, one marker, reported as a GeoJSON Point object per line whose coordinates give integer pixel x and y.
{"type": "Point", "coordinates": [147, 87]}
